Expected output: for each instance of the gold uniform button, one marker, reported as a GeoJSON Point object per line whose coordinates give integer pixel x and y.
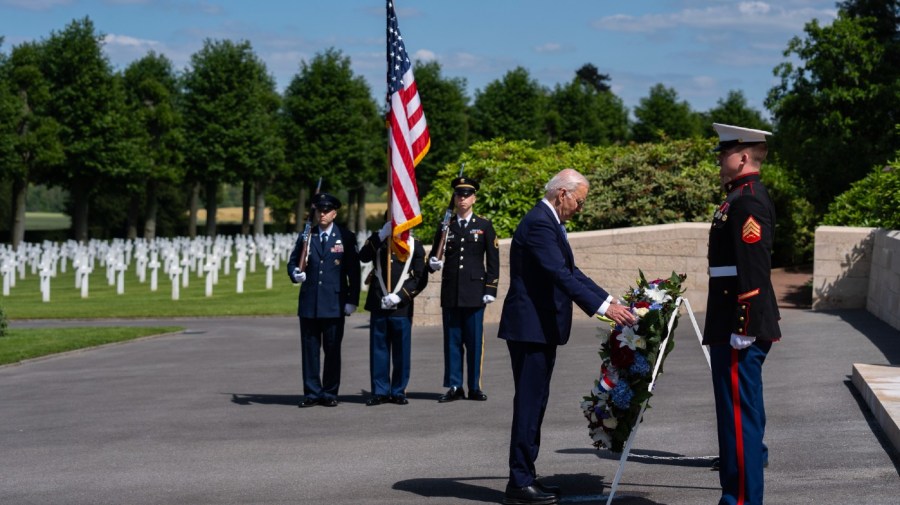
{"type": "Point", "coordinates": [740, 319]}
{"type": "Point", "coordinates": [726, 291]}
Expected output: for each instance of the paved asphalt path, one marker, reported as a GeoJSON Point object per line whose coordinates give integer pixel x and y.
{"type": "Point", "coordinates": [209, 416]}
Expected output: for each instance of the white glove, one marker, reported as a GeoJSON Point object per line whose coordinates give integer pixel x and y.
{"type": "Point", "coordinates": [486, 299]}
{"type": "Point", "coordinates": [390, 301]}
{"type": "Point", "coordinates": [435, 263]}
{"type": "Point", "coordinates": [349, 309]}
{"type": "Point", "coordinates": [299, 276]}
{"type": "Point", "coordinates": [741, 341]}
{"type": "Point", "coordinates": [384, 232]}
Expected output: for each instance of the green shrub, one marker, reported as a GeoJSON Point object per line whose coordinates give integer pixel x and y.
{"type": "Point", "coordinates": [631, 185]}
{"type": "Point", "coordinates": [795, 226]}
{"type": "Point", "coordinates": [872, 201]}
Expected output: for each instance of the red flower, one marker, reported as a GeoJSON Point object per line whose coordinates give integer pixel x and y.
{"type": "Point", "coordinates": [642, 305]}
{"type": "Point", "coordinates": [621, 356]}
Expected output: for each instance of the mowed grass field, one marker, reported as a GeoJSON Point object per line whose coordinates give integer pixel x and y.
{"type": "Point", "coordinates": [138, 301]}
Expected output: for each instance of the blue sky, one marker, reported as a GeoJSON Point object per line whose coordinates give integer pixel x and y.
{"type": "Point", "coordinates": [701, 48]}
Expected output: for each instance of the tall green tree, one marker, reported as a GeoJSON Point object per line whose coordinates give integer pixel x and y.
{"type": "Point", "coordinates": [837, 102]}
{"type": "Point", "coordinates": [514, 108]}
{"type": "Point", "coordinates": [587, 111]}
{"type": "Point", "coordinates": [733, 110]}
{"type": "Point", "coordinates": [228, 100]}
{"type": "Point", "coordinates": [89, 105]}
{"type": "Point", "coordinates": [445, 103]}
{"type": "Point", "coordinates": [332, 130]}
{"type": "Point", "coordinates": [661, 115]}
{"type": "Point", "coordinates": [152, 91]}
{"type": "Point", "coordinates": [31, 143]}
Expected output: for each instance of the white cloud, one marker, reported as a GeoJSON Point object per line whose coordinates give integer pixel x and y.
{"type": "Point", "coordinates": [424, 55]}
{"type": "Point", "coordinates": [747, 17]}
{"type": "Point", "coordinates": [124, 40]}
{"type": "Point", "coordinates": [549, 47]}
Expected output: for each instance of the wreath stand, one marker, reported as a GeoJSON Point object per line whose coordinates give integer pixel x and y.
{"type": "Point", "coordinates": [627, 449]}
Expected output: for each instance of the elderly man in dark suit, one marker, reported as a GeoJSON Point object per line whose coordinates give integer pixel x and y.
{"type": "Point", "coordinates": [329, 292]}
{"type": "Point", "coordinates": [537, 317]}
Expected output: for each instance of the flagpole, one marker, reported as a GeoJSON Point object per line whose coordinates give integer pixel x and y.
{"type": "Point", "coordinates": [390, 214]}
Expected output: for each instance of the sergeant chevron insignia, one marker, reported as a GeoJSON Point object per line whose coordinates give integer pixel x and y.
{"type": "Point", "coordinates": [751, 232]}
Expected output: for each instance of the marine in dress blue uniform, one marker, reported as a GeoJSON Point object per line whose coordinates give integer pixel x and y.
{"type": "Point", "coordinates": [470, 272]}
{"type": "Point", "coordinates": [329, 291]}
{"type": "Point", "coordinates": [537, 317]}
{"type": "Point", "coordinates": [391, 314]}
{"type": "Point", "coordinates": [741, 313]}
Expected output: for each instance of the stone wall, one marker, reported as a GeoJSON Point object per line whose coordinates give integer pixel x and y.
{"type": "Point", "coordinates": [612, 258]}
{"type": "Point", "coordinates": [883, 299]}
{"type": "Point", "coordinates": [841, 268]}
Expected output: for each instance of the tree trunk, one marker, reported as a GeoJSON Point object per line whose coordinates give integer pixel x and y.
{"type": "Point", "coordinates": [134, 208]}
{"type": "Point", "coordinates": [300, 211]}
{"type": "Point", "coordinates": [259, 210]}
{"type": "Point", "coordinates": [245, 207]}
{"type": "Point", "coordinates": [17, 228]}
{"type": "Point", "coordinates": [194, 204]}
{"type": "Point", "coordinates": [361, 210]}
{"type": "Point", "coordinates": [80, 208]}
{"type": "Point", "coordinates": [152, 210]}
{"type": "Point", "coordinates": [212, 193]}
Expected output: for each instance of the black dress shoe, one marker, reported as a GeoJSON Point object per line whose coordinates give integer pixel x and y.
{"type": "Point", "coordinates": [528, 495]}
{"type": "Point", "coordinates": [400, 400]}
{"type": "Point", "coordinates": [547, 488]}
{"type": "Point", "coordinates": [477, 394]}
{"type": "Point", "coordinates": [329, 402]}
{"type": "Point", "coordinates": [376, 400]}
{"type": "Point", "coordinates": [308, 402]}
{"type": "Point", "coordinates": [451, 395]}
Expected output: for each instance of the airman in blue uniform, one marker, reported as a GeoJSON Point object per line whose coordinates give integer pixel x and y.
{"type": "Point", "coordinates": [329, 292]}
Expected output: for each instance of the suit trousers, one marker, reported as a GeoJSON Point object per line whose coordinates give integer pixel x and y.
{"type": "Point", "coordinates": [532, 366]}
{"type": "Point", "coordinates": [741, 420]}
{"type": "Point", "coordinates": [389, 340]}
{"type": "Point", "coordinates": [463, 337]}
{"type": "Point", "coordinates": [325, 334]}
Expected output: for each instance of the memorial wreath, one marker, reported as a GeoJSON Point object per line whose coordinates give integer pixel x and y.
{"type": "Point", "coordinates": [629, 355]}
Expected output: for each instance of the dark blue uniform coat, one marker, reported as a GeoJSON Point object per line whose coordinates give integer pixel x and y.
{"type": "Point", "coordinates": [332, 280]}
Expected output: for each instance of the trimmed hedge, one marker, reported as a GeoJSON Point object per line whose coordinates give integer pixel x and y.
{"type": "Point", "coordinates": [872, 201]}
{"type": "Point", "coordinates": [631, 185]}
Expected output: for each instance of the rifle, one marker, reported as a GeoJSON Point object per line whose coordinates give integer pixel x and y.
{"type": "Point", "coordinates": [445, 223]}
{"type": "Point", "coordinates": [301, 262]}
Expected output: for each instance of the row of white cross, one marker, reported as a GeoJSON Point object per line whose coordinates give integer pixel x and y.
{"type": "Point", "coordinates": [176, 257]}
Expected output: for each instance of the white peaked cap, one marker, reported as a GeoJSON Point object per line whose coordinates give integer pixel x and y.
{"type": "Point", "coordinates": [731, 135]}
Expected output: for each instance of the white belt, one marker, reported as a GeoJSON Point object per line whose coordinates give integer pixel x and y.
{"type": "Point", "coordinates": [726, 271]}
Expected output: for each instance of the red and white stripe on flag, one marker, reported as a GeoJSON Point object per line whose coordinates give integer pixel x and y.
{"type": "Point", "coordinates": [409, 139]}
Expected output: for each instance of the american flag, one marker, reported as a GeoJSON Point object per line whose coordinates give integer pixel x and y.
{"type": "Point", "coordinates": [409, 140]}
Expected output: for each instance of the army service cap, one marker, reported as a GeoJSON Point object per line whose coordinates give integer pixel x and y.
{"type": "Point", "coordinates": [464, 186]}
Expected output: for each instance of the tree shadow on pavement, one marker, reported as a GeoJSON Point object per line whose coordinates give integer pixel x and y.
{"type": "Point", "coordinates": [881, 334]}
{"type": "Point", "coordinates": [649, 457]}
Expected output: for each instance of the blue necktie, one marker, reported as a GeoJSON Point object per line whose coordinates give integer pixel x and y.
{"type": "Point", "coordinates": [565, 235]}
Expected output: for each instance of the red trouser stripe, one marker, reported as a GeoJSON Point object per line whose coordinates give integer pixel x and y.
{"type": "Point", "coordinates": [738, 434]}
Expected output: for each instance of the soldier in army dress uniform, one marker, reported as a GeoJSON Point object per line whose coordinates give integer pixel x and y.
{"type": "Point", "coordinates": [741, 312]}
{"type": "Point", "coordinates": [471, 268]}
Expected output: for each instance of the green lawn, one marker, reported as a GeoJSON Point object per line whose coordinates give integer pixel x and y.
{"type": "Point", "coordinates": [24, 301]}
{"type": "Point", "coordinates": [21, 344]}
{"type": "Point", "coordinates": [47, 221]}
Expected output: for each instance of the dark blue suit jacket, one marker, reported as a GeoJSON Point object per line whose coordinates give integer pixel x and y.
{"type": "Point", "coordinates": [543, 283]}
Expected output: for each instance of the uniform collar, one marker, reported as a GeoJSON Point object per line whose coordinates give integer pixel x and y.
{"type": "Point", "coordinates": [741, 181]}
